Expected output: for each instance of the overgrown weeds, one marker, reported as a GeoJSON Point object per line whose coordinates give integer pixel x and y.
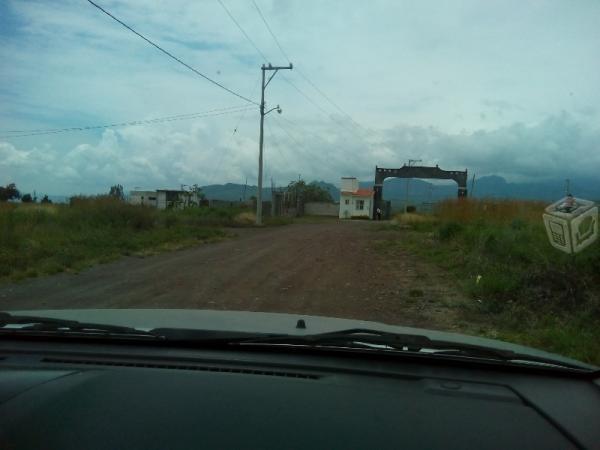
{"type": "Point", "coordinates": [46, 239]}
{"type": "Point", "coordinates": [520, 285]}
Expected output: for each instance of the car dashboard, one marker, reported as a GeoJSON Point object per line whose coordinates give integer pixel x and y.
{"type": "Point", "coordinates": [95, 395]}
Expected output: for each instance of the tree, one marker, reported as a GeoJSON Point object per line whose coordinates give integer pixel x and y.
{"type": "Point", "coordinates": [9, 192]}
{"type": "Point", "coordinates": [311, 192]}
{"type": "Point", "coordinates": [27, 198]}
{"type": "Point", "coordinates": [116, 191]}
{"type": "Point", "coordinates": [46, 200]}
{"type": "Point", "coordinates": [197, 190]}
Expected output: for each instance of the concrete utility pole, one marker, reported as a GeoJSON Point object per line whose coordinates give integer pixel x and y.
{"type": "Point", "coordinates": [410, 164]}
{"type": "Point", "coordinates": [263, 113]}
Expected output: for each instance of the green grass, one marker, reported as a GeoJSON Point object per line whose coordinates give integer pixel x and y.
{"type": "Point", "coordinates": [522, 289]}
{"type": "Point", "coordinates": [48, 239]}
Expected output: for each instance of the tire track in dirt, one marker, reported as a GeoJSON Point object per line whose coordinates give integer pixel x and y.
{"type": "Point", "coordinates": [331, 269]}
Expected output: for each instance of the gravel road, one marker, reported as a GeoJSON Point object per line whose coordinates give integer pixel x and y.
{"type": "Point", "coordinates": [330, 269]}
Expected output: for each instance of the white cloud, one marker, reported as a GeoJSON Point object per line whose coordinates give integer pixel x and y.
{"type": "Point", "coordinates": [170, 155]}
{"type": "Point", "coordinates": [463, 84]}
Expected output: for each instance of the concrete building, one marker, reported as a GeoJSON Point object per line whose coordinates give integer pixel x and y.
{"type": "Point", "coordinates": [147, 198]}
{"type": "Point", "coordinates": [164, 198]}
{"type": "Point", "coordinates": [354, 201]}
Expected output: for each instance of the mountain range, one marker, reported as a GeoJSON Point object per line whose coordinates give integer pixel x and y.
{"type": "Point", "coordinates": [394, 189]}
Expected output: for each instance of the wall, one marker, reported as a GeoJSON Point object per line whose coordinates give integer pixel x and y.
{"type": "Point", "coordinates": [230, 204]}
{"type": "Point", "coordinates": [143, 198]}
{"type": "Point", "coordinates": [349, 184]}
{"type": "Point", "coordinates": [321, 209]}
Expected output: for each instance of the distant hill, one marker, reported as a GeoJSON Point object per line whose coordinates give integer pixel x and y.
{"type": "Point", "coordinates": [236, 192]}
{"type": "Point", "coordinates": [423, 191]}
{"type": "Point", "coordinates": [489, 186]}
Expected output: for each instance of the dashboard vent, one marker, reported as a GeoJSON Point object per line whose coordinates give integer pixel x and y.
{"type": "Point", "coordinates": [149, 365]}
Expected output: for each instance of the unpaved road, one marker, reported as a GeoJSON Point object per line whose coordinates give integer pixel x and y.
{"type": "Point", "coordinates": [330, 269]}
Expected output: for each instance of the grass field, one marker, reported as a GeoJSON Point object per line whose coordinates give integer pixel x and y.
{"type": "Point", "coordinates": [46, 239]}
{"type": "Point", "coordinates": [520, 287]}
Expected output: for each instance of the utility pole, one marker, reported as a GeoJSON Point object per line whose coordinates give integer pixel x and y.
{"type": "Point", "coordinates": [263, 113]}
{"type": "Point", "coordinates": [410, 164]}
{"type": "Point", "coordinates": [298, 197]}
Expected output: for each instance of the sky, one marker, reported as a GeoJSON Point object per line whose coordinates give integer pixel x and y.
{"type": "Point", "coordinates": [504, 87]}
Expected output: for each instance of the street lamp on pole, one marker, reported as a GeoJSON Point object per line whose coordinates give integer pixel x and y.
{"type": "Point", "coordinates": [263, 113]}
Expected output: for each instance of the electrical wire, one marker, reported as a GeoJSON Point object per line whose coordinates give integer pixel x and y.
{"type": "Point", "coordinates": [271, 32]}
{"type": "Point", "coordinates": [210, 113]}
{"type": "Point", "coordinates": [229, 140]}
{"type": "Point", "coordinates": [305, 77]}
{"type": "Point", "coordinates": [261, 53]}
{"type": "Point", "coordinates": [242, 30]}
{"type": "Point", "coordinates": [197, 72]}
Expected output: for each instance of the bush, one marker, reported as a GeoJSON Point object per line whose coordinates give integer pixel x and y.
{"type": "Point", "coordinates": [245, 218]}
{"type": "Point", "coordinates": [449, 230]}
{"type": "Point", "coordinates": [46, 238]}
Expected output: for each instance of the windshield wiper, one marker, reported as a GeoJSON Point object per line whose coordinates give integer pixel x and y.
{"type": "Point", "coordinates": [397, 342]}
{"type": "Point", "coordinates": [12, 324]}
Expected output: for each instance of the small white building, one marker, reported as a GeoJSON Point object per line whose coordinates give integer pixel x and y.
{"type": "Point", "coordinates": [354, 201]}
{"type": "Point", "coordinates": [147, 198]}
{"type": "Point", "coordinates": [164, 198]}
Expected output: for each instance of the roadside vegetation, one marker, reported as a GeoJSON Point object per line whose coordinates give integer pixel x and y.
{"type": "Point", "coordinates": [520, 288]}
{"type": "Point", "coordinates": [42, 239]}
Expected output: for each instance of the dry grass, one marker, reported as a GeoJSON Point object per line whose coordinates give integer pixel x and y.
{"type": "Point", "coordinates": [491, 210]}
{"type": "Point", "coordinates": [413, 218]}
{"type": "Point", "coordinates": [521, 286]}
{"type": "Point", "coordinates": [245, 218]}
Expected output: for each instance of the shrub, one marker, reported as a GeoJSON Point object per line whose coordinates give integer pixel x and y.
{"type": "Point", "coordinates": [449, 230]}
{"type": "Point", "coordinates": [245, 218]}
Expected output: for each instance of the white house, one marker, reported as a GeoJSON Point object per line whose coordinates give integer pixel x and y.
{"type": "Point", "coordinates": [354, 201]}
{"type": "Point", "coordinates": [147, 198]}
{"type": "Point", "coordinates": [164, 198]}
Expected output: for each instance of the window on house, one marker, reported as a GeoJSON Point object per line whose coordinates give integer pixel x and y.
{"type": "Point", "coordinates": [151, 198]}
{"type": "Point", "coordinates": [360, 204]}
{"type": "Point", "coordinates": [347, 202]}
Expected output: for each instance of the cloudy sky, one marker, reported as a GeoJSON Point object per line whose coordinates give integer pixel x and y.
{"type": "Point", "coordinates": [499, 87]}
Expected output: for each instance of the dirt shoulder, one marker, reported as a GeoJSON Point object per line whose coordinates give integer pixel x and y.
{"type": "Point", "coordinates": [331, 269]}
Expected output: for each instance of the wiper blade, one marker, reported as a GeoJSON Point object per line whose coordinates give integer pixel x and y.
{"type": "Point", "coordinates": [419, 344]}
{"type": "Point", "coordinates": [349, 337]}
{"type": "Point", "coordinates": [12, 324]}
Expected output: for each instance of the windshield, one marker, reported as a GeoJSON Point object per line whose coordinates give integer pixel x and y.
{"type": "Point", "coordinates": [431, 165]}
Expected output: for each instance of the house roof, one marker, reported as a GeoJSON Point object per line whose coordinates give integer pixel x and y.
{"type": "Point", "coordinates": [368, 192]}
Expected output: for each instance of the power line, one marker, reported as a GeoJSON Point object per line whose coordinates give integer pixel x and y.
{"type": "Point", "coordinates": [216, 83]}
{"type": "Point", "coordinates": [277, 145]}
{"type": "Point", "coordinates": [310, 100]}
{"type": "Point", "coordinates": [326, 113]}
{"type": "Point", "coordinates": [270, 31]}
{"type": "Point", "coordinates": [301, 146]}
{"type": "Point", "coordinates": [210, 113]}
{"type": "Point", "coordinates": [261, 53]}
{"type": "Point", "coordinates": [242, 30]}
{"type": "Point", "coordinates": [44, 130]}
{"type": "Point", "coordinates": [305, 77]}
{"type": "Point", "coordinates": [230, 139]}
{"type": "Point", "coordinates": [326, 97]}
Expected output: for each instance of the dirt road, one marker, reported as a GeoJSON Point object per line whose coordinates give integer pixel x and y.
{"type": "Point", "coordinates": [331, 269]}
